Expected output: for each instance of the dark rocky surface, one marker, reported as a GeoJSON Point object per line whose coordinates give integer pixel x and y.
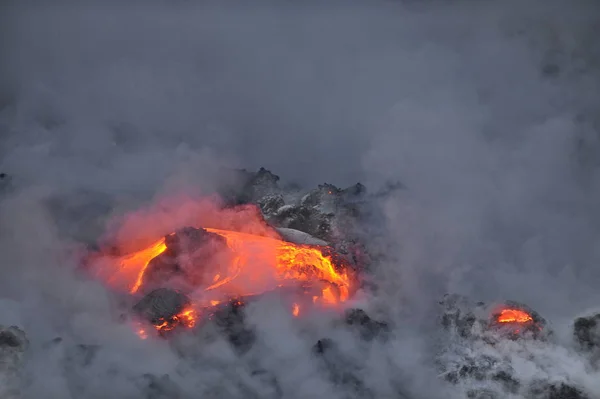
{"type": "Point", "coordinates": [586, 331]}
{"type": "Point", "coordinates": [230, 321]}
{"type": "Point", "coordinates": [13, 349]}
{"type": "Point", "coordinates": [322, 212]}
{"type": "Point", "coordinates": [367, 328]}
{"type": "Point", "coordinates": [458, 314]}
{"type": "Point", "coordinates": [478, 351]}
{"type": "Point", "coordinates": [537, 328]}
{"type": "Point", "coordinates": [546, 390]}
{"type": "Point", "coordinates": [476, 355]}
{"type": "Point", "coordinates": [161, 304]}
{"type": "Point", "coordinates": [199, 246]}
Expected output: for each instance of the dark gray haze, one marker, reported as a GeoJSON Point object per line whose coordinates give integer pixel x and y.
{"type": "Point", "coordinates": [488, 112]}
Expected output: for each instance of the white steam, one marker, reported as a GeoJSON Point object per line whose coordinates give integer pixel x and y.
{"type": "Point", "coordinates": [486, 111]}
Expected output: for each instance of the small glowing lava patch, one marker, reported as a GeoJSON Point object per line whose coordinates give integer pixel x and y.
{"type": "Point", "coordinates": [513, 316]}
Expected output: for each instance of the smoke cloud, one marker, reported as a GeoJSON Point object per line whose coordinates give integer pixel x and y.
{"type": "Point", "coordinates": [487, 112]}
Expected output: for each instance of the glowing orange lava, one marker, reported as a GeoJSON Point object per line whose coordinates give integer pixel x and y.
{"type": "Point", "coordinates": [258, 264]}
{"type": "Point", "coordinates": [513, 316]}
{"type": "Point", "coordinates": [258, 259]}
{"type": "Point", "coordinates": [186, 318]}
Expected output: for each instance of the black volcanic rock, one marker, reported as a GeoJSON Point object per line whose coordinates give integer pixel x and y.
{"type": "Point", "coordinates": [458, 314]}
{"type": "Point", "coordinates": [586, 331]}
{"type": "Point", "coordinates": [230, 320]}
{"type": "Point", "coordinates": [545, 390]}
{"type": "Point", "coordinates": [259, 184]}
{"type": "Point", "coordinates": [190, 239]}
{"type": "Point", "coordinates": [484, 368]}
{"type": "Point", "coordinates": [324, 194]}
{"type": "Point", "coordinates": [536, 328]}
{"type": "Point", "coordinates": [245, 187]}
{"type": "Point", "coordinates": [159, 271]}
{"type": "Point", "coordinates": [269, 204]}
{"type": "Point", "coordinates": [368, 328]}
{"type": "Point", "coordinates": [161, 304]}
{"type": "Point", "coordinates": [357, 190]}
{"type": "Point", "coordinates": [308, 220]}
{"type": "Point", "coordinates": [199, 246]}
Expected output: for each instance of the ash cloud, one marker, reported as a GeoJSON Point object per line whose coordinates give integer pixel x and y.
{"type": "Point", "coordinates": [487, 112]}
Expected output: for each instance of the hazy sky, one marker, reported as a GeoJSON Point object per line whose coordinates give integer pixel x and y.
{"type": "Point", "coordinates": [487, 111]}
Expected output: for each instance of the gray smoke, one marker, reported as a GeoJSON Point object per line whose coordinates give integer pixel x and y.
{"type": "Point", "coordinates": [486, 111]}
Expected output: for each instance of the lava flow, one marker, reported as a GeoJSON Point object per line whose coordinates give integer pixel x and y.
{"type": "Point", "coordinates": [516, 322]}
{"type": "Point", "coordinates": [254, 265]}
{"type": "Point", "coordinates": [513, 316]}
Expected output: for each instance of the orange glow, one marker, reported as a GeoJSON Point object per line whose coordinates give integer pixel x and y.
{"type": "Point", "coordinates": [142, 257]}
{"type": "Point", "coordinates": [259, 264]}
{"type": "Point", "coordinates": [142, 333]}
{"type": "Point", "coordinates": [256, 264]}
{"type": "Point", "coordinates": [186, 318]}
{"type": "Point", "coordinates": [283, 261]}
{"type": "Point", "coordinates": [514, 316]}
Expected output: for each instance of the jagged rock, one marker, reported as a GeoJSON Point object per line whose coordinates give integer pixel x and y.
{"type": "Point", "coordinates": [458, 314]}
{"type": "Point", "coordinates": [230, 319]}
{"type": "Point", "coordinates": [190, 239]}
{"type": "Point", "coordinates": [483, 368]}
{"type": "Point", "coordinates": [323, 195]}
{"type": "Point", "coordinates": [365, 325]}
{"type": "Point", "coordinates": [308, 220]}
{"type": "Point", "coordinates": [586, 331]}
{"type": "Point", "coordinates": [474, 355]}
{"type": "Point", "coordinates": [535, 328]}
{"type": "Point", "coordinates": [482, 394]}
{"type": "Point", "coordinates": [546, 390]}
{"type": "Point", "coordinates": [258, 185]}
{"type": "Point", "coordinates": [354, 252]}
{"type": "Point", "coordinates": [465, 318]}
{"type": "Point", "coordinates": [269, 204]}
{"type": "Point", "coordinates": [198, 246]}
{"type": "Point", "coordinates": [357, 190]}
{"type": "Point", "coordinates": [161, 304]}
{"type": "Point", "coordinates": [13, 345]}
{"type": "Point", "coordinates": [244, 187]}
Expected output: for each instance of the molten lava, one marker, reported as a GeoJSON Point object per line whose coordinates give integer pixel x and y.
{"type": "Point", "coordinates": [514, 316]}
{"type": "Point", "coordinates": [517, 322]}
{"type": "Point", "coordinates": [257, 264]}
{"type": "Point", "coordinates": [186, 318]}
{"type": "Point", "coordinates": [283, 261]}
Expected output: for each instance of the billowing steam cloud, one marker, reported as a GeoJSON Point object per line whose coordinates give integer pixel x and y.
{"type": "Point", "coordinates": [487, 112]}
